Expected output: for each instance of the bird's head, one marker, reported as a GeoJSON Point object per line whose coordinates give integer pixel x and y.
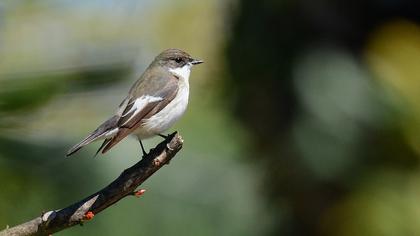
{"type": "Point", "coordinates": [173, 59]}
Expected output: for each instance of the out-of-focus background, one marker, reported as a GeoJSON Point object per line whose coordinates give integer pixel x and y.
{"type": "Point", "coordinates": [304, 120]}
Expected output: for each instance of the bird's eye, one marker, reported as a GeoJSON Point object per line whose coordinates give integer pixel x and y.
{"type": "Point", "coordinates": [178, 60]}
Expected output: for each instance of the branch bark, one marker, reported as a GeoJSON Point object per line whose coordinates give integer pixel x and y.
{"type": "Point", "coordinates": [125, 185]}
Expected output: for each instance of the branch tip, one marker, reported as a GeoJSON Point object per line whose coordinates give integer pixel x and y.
{"type": "Point", "coordinates": [169, 147]}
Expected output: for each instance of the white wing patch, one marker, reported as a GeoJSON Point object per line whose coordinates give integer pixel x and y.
{"type": "Point", "coordinates": [111, 133]}
{"type": "Point", "coordinates": [139, 104]}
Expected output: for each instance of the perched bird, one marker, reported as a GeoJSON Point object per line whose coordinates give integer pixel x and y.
{"type": "Point", "coordinates": [154, 103]}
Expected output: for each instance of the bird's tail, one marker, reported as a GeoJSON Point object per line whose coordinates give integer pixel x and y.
{"type": "Point", "coordinates": [107, 128]}
{"type": "Point", "coordinates": [92, 137]}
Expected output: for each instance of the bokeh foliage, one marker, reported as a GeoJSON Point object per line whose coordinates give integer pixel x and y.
{"type": "Point", "coordinates": [329, 92]}
{"type": "Point", "coordinates": [304, 119]}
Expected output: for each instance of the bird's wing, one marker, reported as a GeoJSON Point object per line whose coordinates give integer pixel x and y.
{"type": "Point", "coordinates": [149, 95]}
{"type": "Point", "coordinates": [144, 102]}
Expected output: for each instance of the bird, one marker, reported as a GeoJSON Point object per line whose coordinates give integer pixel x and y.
{"type": "Point", "coordinates": [153, 104]}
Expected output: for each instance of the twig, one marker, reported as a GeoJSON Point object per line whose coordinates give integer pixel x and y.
{"type": "Point", "coordinates": [125, 185]}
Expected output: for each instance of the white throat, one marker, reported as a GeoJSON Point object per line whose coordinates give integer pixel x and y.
{"type": "Point", "coordinates": [183, 72]}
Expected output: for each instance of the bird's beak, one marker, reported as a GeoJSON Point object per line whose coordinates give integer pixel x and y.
{"type": "Point", "coordinates": [196, 62]}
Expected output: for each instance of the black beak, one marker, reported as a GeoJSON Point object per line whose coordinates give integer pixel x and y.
{"type": "Point", "coordinates": [196, 62]}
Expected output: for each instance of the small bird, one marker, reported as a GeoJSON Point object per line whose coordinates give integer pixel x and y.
{"type": "Point", "coordinates": [154, 103]}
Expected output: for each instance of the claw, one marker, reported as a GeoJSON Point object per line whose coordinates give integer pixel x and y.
{"type": "Point", "coordinates": [163, 136]}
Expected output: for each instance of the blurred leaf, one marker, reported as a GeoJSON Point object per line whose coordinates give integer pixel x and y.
{"type": "Point", "coordinates": [22, 94]}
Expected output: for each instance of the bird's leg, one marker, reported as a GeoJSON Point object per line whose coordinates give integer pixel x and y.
{"type": "Point", "coordinates": [163, 136]}
{"type": "Point", "coordinates": [142, 148]}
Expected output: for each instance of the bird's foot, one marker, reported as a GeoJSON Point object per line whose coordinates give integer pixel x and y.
{"type": "Point", "coordinates": [144, 154]}
{"type": "Point", "coordinates": [163, 136]}
{"type": "Point", "coordinates": [142, 149]}
{"type": "Point", "coordinates": [168, 135]}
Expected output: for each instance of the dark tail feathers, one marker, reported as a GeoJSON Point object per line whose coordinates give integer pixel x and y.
{"type": "Point", "coordinates": [103, 128]}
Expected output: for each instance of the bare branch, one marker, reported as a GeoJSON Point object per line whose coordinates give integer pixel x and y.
{"type": "Point", "coordinates": [125, 185]}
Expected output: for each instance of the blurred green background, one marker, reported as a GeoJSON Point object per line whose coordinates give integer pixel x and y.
{"type": "Point", "coordinates": [304, 120]}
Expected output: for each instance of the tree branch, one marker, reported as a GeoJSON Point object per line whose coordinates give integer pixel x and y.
{"type": "Point", "coordinates": [125, 185]}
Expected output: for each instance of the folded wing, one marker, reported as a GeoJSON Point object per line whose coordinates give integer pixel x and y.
{"type": "Point", "coordinates": [148, 96]}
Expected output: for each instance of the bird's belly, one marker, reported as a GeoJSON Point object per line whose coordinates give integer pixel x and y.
{"type": "Point", "coordinates": [164, 119]}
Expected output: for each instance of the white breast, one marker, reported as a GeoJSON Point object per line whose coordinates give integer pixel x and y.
{"type": "Point", "coordinates": [164, 119]}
